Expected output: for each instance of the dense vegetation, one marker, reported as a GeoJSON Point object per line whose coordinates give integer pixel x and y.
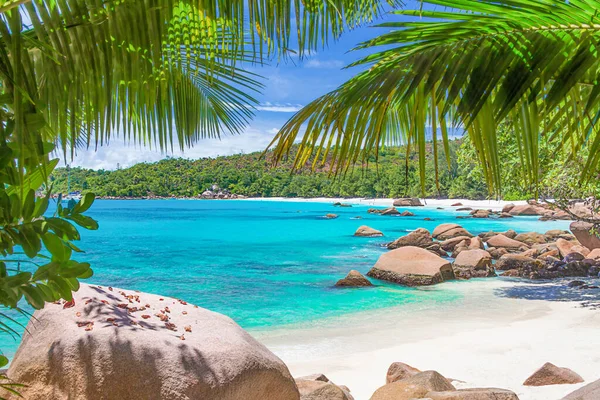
{"type": "Point", "coordinates": [251, 175]}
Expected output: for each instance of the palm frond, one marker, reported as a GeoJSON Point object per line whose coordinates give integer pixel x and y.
{"type": "Point", "coordinates": [533, 65]}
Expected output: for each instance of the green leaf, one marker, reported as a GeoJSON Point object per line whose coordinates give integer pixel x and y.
{"type": "Point", "coordinates": [85, 203]}
{"type": "Point", "coordinates": [3, 361]}
{"type": "Point", "coordinates": [58, 249]}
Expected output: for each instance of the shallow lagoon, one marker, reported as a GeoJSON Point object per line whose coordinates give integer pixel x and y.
{"type": "Point", "coordinates": [264, 264]}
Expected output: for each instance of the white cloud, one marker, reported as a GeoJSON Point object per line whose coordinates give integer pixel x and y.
{"type": "Point", "coordinates": [125, 155]}
{"type": "Point", "coordinates": [283, 108]}
{"type": "Point", "coordinates": [324, 64]}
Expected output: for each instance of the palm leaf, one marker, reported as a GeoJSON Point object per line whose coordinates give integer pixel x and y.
{"type": "Point", "coordinates": [532, 65]}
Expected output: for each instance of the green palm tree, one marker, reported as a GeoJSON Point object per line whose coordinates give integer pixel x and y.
{"type": "Point", "coordinates": [79, 73]}
{"type": "Point", "coordinates": [529, 65]}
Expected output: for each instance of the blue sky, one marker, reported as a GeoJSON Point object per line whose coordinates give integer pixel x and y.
{"type": "Point", "coordinates": [288, 86]}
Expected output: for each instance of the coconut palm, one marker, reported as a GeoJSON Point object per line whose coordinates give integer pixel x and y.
{"type": "Point", "coordinates": [78, 73]}
{"type": "Point", "coordinates": [532, 66]}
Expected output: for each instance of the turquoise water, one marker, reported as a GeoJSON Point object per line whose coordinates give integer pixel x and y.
{"type": "Point", "coordinates": [263, 263]}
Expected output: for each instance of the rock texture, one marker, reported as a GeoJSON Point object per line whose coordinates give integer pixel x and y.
{"type": "Point", "coordinates": [390, 211]}
{"type": "Point", "coordinates": [590, 391]}
{"type": "Point", "coordinates": [448, 231]}
{"type": "Point", "coordinates": [412, 266]}
{"type": "Point", "coordinates": [474, 394]}
{"type": "Point", "coordinates": [353, 279]}
{"type": "Point", "coordinates": [321, 390]}
{"type": "Point", "coordinates": [415, 387]}
{"type": "Point", "coordinates": [116, 344]}
{"type": "Point", "coordinates": [398, 371]}
{"type": "Point", "coordinates": [581, 230]}
{"type": "Point", "coordinates": [550, 374]}
{"type": "Point", "coordinates": [473, 264]}
{"type": "Point", "coordinates": [407, 202]}
{"type": "Point", "coordinates": [531, 238]}
{"type": "Point", "coordinates": [525, 209]}
{"type": "Point", "coordinates": [516, 261]}
{"type": "Point", "coordinates": [419, 238]}
{"type": "Point", "coordinates": [502, 241]}
{"type": "Point", "coordinates": [365, 231]}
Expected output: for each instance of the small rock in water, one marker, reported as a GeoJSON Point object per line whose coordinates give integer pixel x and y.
{"type": "Point", "coordinates": [331, 216]}
{"type": "Point", "coordinates": [353, 279]}
{"type": "Point", "coordinates": [573, 284]}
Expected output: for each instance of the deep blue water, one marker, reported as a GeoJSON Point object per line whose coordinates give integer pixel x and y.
{"type": "Point", "coordinates": [264, 263]}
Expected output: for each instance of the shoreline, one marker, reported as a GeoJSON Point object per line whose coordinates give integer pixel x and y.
{"type": "Point", "coordinates": [494, 205]}
{"type": "Point", "coordinates": [495, 344]}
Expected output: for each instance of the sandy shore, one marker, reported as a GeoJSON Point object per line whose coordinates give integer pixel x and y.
{"type": "Point", "coordinates": [483, 340]}
{"type": "Point", "coordinates": [486, 204]}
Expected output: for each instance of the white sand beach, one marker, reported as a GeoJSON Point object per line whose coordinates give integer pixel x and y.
{"type": "Point", "coordinates": [484, 341]}
{"type": "Point", "coordinates": [485, 204]}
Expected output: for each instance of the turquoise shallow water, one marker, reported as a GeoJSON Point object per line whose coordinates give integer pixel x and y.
{"type": "Point", "coordinates": [264, 263]}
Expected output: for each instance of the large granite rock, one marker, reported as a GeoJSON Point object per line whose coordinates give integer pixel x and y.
{"type": "Point", "coordinates": [419, 238]}
{"type": "Point", "coordinates": [415, 387]}
{"type": "Point", "coordinates": [390, 211]}
{"type": "Point", "coordinates": [517, 261]}
{"type": "Point", "coordinates": [590, 391]}
{"type": "Point", "coordinates": [412, 266]}
{"type": "Point", "coordinates": [475, 263]}
{"type": "Point", "coordinates": [502, 241]}
{"type": "Point", "coordinates": [365, 231]}
{"type": "Point", "coordinates": [550, 374]}
{"type": "Point", "coordinates": [474, 394]}
{"type": "Point", "coordinates": [525, 209]}
{"type": "Point", "coordinates": [321, 390]}
{"type": "Point", "coordinates": [450, 244]}
{"type": "Point", "coordinates": [353, 279]}
{"type": "Point", "coordinates": [566, 247]}
{"type": "Point", "coordinates": [531, 238]}
{"type": "Point", "coordinates": [581, 230]}
{"type": "Point", "coordinates": [398, 371]}
{"type": "Point", "coordinates": [117, 344]}
{"type": "Point", "coordinates": [448, 231]}
{"type": "Point", "coordinates": [594, 255]}
{"type": "Point", "coordinates": [508, 207]}
{"type": "Point", "coordinates": [408, 202]}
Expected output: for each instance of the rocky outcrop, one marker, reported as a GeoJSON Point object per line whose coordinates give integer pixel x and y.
{"type": "Point", "coordinates": [508, 207]}
{"type": "Point", "coordinates": [398, 371]}
{"type": "Point", "coordinates": [117, 344]}
{"type": "Point", "coordinates": [473, 394]}
{"type": "Point", "coordinates": [321, 390]}
{"type": "Point", "coordinates": [415, 387]}
{"type": "Point", "coordinates": [353, 279]}
{"type": "Point", "coordinates": [448, 231]}
{"type": "Point", "coordinates": [412, 266]}
{"type": "Point", "coordinates": [406, 214]}
{"type": "Point", "coordinates": [517, 261]}
{"type": "Point", "coordinates": [365, 231]}
{"type": "Point", "coordinates": [550, 374]}
{"type": "Point", "coordinates": [486, 235]}
{"type": "Point", "coordinates": [473, 264]}
{"type": "Point", "coordinates": [407, 202]}
{"type": "Point", "coordinates": [590, 391]}
{"type": "Point", "coordinates": [419, 238]}
{"type": "Point", "coordinates": [594, 255]}
{"type": "Point", "coordinates": [496, 253]}
{"type": "Point", "coordinates": [566, 247]}
{"type": "Point", "coordinates": [450, 244]}
{"type": "Point", "coordinates": [331, 216]}
{"type": "Point", "coordinates": [531, 238]}
{"type": "Point", "coordinates": [502, 241]}
{"type": "Point", "coordinates": [525, 209]}
{"type": "Point", "coordinates": [581, 230]}
{"type": "Point", "coordinates": [481, 213]}
{"type": "Point", "coordinates": [390, 211]}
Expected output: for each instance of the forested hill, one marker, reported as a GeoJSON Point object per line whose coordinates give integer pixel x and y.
{"type": "Point", "coordinates": [251, 175]}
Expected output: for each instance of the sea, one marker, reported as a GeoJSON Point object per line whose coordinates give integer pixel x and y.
{"type": "Point", "coordinates": [266, 264]}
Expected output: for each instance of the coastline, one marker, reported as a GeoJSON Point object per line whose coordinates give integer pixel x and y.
{"type": "Point", "coordinates": [494, 205]}
{"type": "Point", "coordinates": [495, 344]}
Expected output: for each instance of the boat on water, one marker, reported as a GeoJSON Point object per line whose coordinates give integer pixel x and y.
{"type": "Point", "coordinates": [76, 196]}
